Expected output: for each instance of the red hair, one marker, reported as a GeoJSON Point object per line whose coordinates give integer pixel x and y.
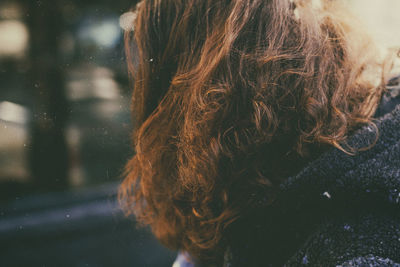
{"type": "Point", "coordinates": [226, 95]}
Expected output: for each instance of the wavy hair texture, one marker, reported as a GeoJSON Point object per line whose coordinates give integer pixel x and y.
{"type": "Point", "coordinates": [228, 95]}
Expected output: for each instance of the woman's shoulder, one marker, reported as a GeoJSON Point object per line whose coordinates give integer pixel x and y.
{"type": "Point", "coordinates": [338, 209]}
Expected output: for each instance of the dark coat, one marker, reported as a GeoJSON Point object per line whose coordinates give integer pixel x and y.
{"type": "Point", "coordinates": [340, 210]}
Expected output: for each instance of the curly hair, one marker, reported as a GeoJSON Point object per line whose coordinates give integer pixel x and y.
{"type": "Point", "coordinates": [227, 95]}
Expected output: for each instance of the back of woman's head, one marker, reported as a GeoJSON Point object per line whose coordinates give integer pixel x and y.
{"type": "Point", "coordinates": [225, 94]}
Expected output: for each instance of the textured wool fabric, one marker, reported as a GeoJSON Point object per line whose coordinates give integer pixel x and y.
{"type": "Point", "coordinates": [340, 210]}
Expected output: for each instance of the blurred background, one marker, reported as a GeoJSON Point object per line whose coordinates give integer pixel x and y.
{"type": "Point", "coordinates": [65, 136]}
{"type": "Point", "coordinates": [65, 131]}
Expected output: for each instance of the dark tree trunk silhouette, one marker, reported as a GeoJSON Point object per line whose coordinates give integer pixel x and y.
{"type": "Point", "coordinates": [48, 154]}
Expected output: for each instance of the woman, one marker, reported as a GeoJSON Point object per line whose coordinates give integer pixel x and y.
{"type": "Point", "coordinates": [243, 115]}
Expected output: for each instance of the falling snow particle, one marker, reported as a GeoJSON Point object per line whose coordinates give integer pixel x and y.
{"type": "Point", "coordinates": [347, 227]}
{"type": "Point", "coordinates": [370, 129]}
{"type": "Point", "coordinates": [305, 260]}
{"type": "Point", "coordinates": [326, 194]}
